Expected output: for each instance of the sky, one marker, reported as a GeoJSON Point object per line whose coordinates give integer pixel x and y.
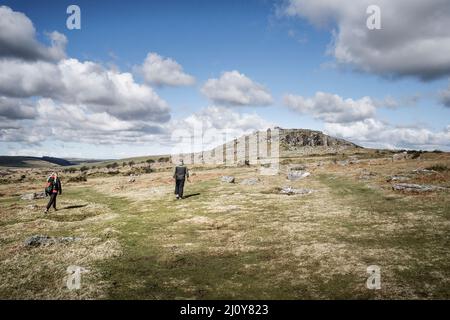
{"type": "Point", "coordinates": [139, 77]}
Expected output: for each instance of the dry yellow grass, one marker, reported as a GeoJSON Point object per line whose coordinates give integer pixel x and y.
{"type": "Point", "coordinates": [232, 240]}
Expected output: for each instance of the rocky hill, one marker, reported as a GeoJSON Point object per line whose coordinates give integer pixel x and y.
{"type": "Point", "coordinates": [305, 142]}
{"type": "Point", "coordinates": [265, 145]}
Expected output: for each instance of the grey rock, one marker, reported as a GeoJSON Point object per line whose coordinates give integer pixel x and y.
{"type": "Point", "coordinates": [291, 191]}
{"type": "Point", "coordinates": [37, 240]}
{"type": "Point", "coordinates": [297, 167]}
{"type": "Point", "coordinates": [43, 240]}
{"type": "Point", "coordinates": [424, 171]}
{"type": "Point", "coordinates": [366, 175]}
{"type": "Point", "coordinates": [32, 196]}
{"type": "Point", "coordinates": [297, 174]}
{"type": "Point", "coordinates": [397, 178]}
{"type": "Point", "coordinates": [227, 179]}
{"type": "Point", "coordinates": [400, 156]}
{"type": "Point", "coordinates": [411, 187]}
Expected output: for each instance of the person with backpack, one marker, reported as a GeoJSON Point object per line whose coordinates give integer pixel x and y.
{"type": "Point", "coordinates": [52, 189]}
{"type": "Point", "coordinates": [180, 175]}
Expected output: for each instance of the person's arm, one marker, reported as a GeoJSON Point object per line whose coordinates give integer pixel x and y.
{"type": "Point", "coordinates": [187, 175]}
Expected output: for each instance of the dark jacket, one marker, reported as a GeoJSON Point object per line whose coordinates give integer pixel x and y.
{"type": "Point", "coordinates": [180, 173]}
{"type": "Point", "coordinates": [55, 185]}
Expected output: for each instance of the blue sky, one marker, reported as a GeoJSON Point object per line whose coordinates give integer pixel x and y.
{"type": "Point", "coordinates": [284, 53]}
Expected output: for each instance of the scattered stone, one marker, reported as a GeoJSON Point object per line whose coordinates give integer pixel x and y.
{"type": "Point", "coordinates": [132, 178]}
{"type": "Point", "coordinates": [33, 196]}
{"type": "Point", "coordinates": [353, 160]}
{"type": "Point", "coordinates": [410, 187]}
{"type": "Point", "coordinates": [397, 178]}
{"type": "Point", "coordinates": [400, 156]}
{"type": "Point", "coordinates": [424, 171]}
{"type": "Point", "coordinates": [250, 181]}
{"type": "Point", "coordinates": [297, 174]}
{"type": "Point", "coordinates": [38, 240]}
{"type": "Point", "coordinates": [227, 179]}
{"type": "Point", "coordinates": [291, 191]}
{"type": "Point", "coordinates": [66, 239]}
{"type": "Point", "coordinates": [31, 207]}
{"type": "Point", "coordinates": [343, 163]}
{"type": "Point", "coordinates": [366, 175]}
{"type": "Point", "coordinates": [297, 167]}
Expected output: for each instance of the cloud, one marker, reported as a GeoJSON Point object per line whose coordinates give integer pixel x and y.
{"type": "Point", "coordinates": [78, 123]}
{"type": "Point", "coordinates": [235, 89]}
{"type": "Point", "coordinates": [216, 117]}
{"type": "Point", "coordinates": [414, 39]}
{"type": "Point", "coordinates": [444, 97]}
{"type": "Point", "coordinates": [15, 109]}
{"type": "Point", "coordinates": [72, 81]}
{"type": "Point", "coordinates": [161, 71]}
{"type": "Point", "coordinates": [23, 79]}
{"type": "Point", "coordinates": [211, 127]}
{"type": "Point", "coordinates": [356, 121]}
{"type": "Point", "coordinates": [46, 96]}
{"type": "Point", "coordinates": [377, 134]}
{"type": "Point", "coordinates": [331, 107]}
{"type": "Point", "coordinates": [18, 38]}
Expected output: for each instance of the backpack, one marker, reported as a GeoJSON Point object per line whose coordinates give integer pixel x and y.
{"type": "Point", "coordinates": [50, 183]}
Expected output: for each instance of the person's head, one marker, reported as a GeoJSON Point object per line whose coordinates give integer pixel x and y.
{"type": "Point", "coordinates": [181, 162]}
{"type": "Point", "coordinates": [55, 174]}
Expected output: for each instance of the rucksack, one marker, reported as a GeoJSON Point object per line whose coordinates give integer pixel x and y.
{"type": "Point", "coordinates": [50, 184]}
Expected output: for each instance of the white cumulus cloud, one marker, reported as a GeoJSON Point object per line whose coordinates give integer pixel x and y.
{"type": "Point", "coordinates": [73, 81]}
{"type": "Point", "coordinates": [331, 107]}
{"type": "Point", "coordinates": [236, 89]}
{"type": "Point", "coordinates": [161, 71]}
{"type": "Point", "coordinates": [414, 39]}
{"type": "Point", "coordinates": [378, 134]}
{"type": "Point", "coordinates": [18, 38]}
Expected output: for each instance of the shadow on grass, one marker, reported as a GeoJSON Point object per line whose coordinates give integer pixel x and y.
{"type": "Point", "coordinates": [191, 195]}
{"type": "Point", "coordinates": [75, 206]}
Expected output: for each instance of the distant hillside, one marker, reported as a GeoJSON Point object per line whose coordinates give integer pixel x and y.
{"type": "Point", "coordinates": [30, 162]}
{"type": "Point", "coordinates": [260, 146]}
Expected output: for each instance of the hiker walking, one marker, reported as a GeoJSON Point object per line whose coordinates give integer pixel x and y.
{"type": "Point", "coordinates": [52, 189]}
{"type": "Point", "coordinates": [180, 175]}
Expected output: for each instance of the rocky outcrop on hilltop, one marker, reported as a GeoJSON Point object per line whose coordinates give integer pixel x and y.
{"type": "Point", "coordinates": [297, 138]}
{"type": "Point", "coordinates": [304, 142]}
{"type": "Point", "coordinates": [266, 145]}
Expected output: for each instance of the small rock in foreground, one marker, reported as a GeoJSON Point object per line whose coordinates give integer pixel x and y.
{"type": "Point", "coordinates": [32, 196]}
{"type": "Point", "coordinates": [297, 174]}
{"type": "Point", "coordinates": [227, 179]}
{"type": "Point", "coordinates": [397, 178]}
{"type": "Point", "coordinates": [38, 240]}
{"type": "Point", "coordinates": [290, 191]}
{"type": "Point", "coordinates": [411, 187]}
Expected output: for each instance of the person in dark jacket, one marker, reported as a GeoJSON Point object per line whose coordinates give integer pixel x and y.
{"type": "Point", "coordinates": [52, 189]}
{"type": "Point", "coordinates": [180, 174]}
